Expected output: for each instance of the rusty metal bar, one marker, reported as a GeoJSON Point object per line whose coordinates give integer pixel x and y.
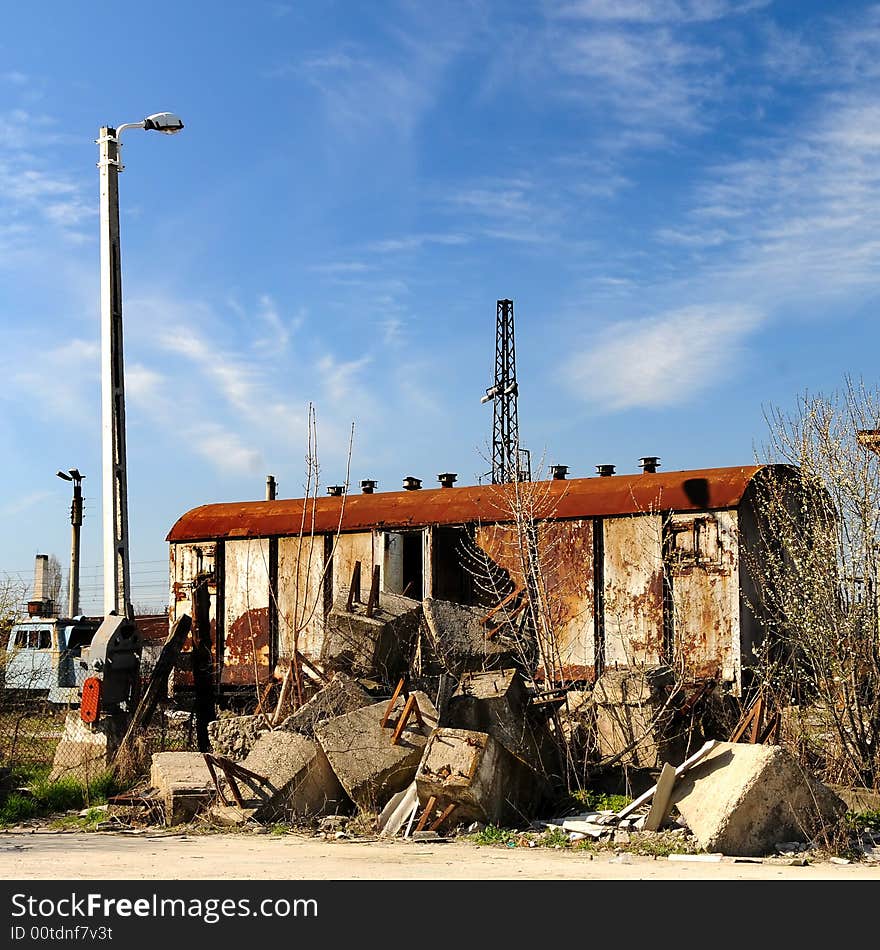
{"type": "Point", "coordinates": [410, 707]}
{"type": "Point", "coordinates": [426, 814]}
{"type": "Point", "coordinates": [373, 601]}
{"type": "Point", "coordinates": [400, 688]}
{"type": "Point", "coordinates": [210, 764]}
{"type": "Point", "coordinates": [513, 613]}
{"type": "Point", "coordinates": [498, 606]}
{"type": "Point", "coordinates": [447, 811]}
{"type": "Point", "coordinates": [354, 590]}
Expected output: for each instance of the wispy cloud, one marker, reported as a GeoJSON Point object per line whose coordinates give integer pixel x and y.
{"type": "Point", "coordinates": [655, 11]}
{"type": "Point", "coordinates": [663, 360]}
{"type": "Point", "coordinates": [415, 242]}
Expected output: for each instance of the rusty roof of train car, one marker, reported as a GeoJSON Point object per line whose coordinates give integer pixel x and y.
{"type": "Point", "coordinates": [695, 490]}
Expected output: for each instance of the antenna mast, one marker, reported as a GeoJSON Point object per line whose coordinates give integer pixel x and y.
{"type": "Point", "coordinates": [509, 462]}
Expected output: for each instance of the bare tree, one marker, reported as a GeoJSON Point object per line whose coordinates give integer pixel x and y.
{"type": "Point", "coordinates": [815, 572]}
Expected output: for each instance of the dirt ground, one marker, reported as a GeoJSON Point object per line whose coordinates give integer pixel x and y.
{"type": "Point", "coordinates": [42, 855]}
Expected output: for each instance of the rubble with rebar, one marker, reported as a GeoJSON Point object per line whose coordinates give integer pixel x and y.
{"type": "Point", "coordinates": [404, 739]}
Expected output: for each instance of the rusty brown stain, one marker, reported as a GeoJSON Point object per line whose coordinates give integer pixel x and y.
{"type": "Point", "coordinates": [694, 490]}
{"type": "Point", "coordinates": [247, 637]}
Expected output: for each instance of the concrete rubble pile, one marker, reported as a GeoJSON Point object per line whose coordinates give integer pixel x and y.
{"type": "Point", "coordinates": [422, 725]}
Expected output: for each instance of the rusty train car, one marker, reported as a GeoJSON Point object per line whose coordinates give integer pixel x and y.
{"type": "Point", "coordinates": [646, 568]}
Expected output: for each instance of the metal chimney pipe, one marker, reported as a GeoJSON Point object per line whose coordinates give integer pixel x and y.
{"type": "Point", "coordinates": [447, 479]}
{"type": "Point", "coordinates": [368, 486]}
{"type": "Point", "coordinates": [605, 470]}
{"type": "Point", "coordinates": [649, 464]}
{"type": "Point", "coordinates": [558, 471]}
{"type": "Point", "coordinates": [270, 488]}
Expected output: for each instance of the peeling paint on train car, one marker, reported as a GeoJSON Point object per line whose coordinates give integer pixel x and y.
{"type": "Point", "coordinates": [245, 653]}
{"type": "Point", "coordinates": [301, 596]}
{"type": "Point", "coordinates": [351, 548]}
{"type": "Point", "coordinates": [565, 554]}
{"type": "Point", "coordinates": [702, 553]}
{"type": "Point", "coordinates": [633, 590]}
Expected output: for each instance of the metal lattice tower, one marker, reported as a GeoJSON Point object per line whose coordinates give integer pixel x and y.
{"type": "Point", "coordinates": [509, 462]}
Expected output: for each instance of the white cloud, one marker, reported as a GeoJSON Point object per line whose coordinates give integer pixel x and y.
{"type": "Point", "coordinates": [655, 11]}
{"type": "Point", "coordinates": [225, 449]}
{"type": "Point", "coordinates": [663, 360]}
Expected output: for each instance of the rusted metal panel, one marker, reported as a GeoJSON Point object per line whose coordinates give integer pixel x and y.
{"type": "Point", "coordinates": [565, 554]}
{"type": "Point", "coordinates": [349, 549]}
{"type": "Point", "coordinates": [246, 613]}
{"type": "Point", "coordinates": [301, 596]}
{"type": "Point", "coordinates": [702, 552]}
{"type": "Point", "coordinates": [633, 616]}
{"type": "Point", "coordinates": [695, 490]}
{"type": "Point", "coordinates": [501, 542]}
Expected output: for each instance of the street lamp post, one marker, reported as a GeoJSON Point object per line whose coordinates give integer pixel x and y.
{"type": "Point", "coordinates": [76, 520]}
{"type": "Point", "coordinates": [115, 479]}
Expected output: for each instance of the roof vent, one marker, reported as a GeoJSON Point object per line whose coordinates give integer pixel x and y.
{"type": "Point", "coordinates": [368, 486]}
{"type": "Point", "coordinates": [336, 490]}
{"type": "Point", "coordinates": [412, 484]}
{"type": "Point", "coordinates": [605, 470]}
{"type": "Point", "coordinates": [649, 464]}
{"type": "Point", "coordinates": [271, 487]}
{"type": "Point", "coordinates": [447, 479]}
{"type": "Point", "coordinates": [558, 471]}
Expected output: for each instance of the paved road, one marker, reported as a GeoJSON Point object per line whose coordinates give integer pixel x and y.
{"type": "Point", "coordinates": [112, 856]}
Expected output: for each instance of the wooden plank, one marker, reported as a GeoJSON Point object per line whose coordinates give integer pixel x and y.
{"type": "Point", "coordinates": [373, 599]}
{"type": "Point", "coordinates": [484, 619]}
{"type": "Point", "coordinates": [354, 589]}
{"type": "Point", "coordinates": [662, 802]}
{"type": "Point", "coordinates": [688, 763]}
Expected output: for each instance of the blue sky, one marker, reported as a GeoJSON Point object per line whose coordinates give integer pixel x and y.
{"type": "Point", "coordinates": [680, 196]}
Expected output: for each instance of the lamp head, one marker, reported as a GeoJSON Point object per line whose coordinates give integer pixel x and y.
{"type": "Point", "coordinates": [65, 476]}
{"type": "Point", "coordinates": [166, 122]}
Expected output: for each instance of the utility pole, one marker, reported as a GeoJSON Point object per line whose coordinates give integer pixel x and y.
{"type": "Point", "coordinates": [114, 473]}
{"type": "Point", "coordinates": [117, 584]}
{"type": "Point", "coordinates": [509, 462]}
{"type": "Point", "coordinates": [76, 520]}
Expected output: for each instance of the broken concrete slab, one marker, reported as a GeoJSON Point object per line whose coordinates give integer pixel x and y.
{"type": "Point", "coordinates": [184, 782]}
{"type": "Point", "coordinates": [635, 719]}
{"type": "Point", "coordinates": [341, 695]}
{"type": "Point", "coordinates": [479, 776]}
{"type": "Point", "coordinates": [497, 702]}
{"type": "Point", "coordinates": [379, 645]}
{"type": "Point", "coordinates": [458, 640]}
{"type": "Point", "coordinates": [82, 754]}
{"type": "Point", "coordinates": [299, 780]}
{"type": "Point", "coordinates": [742, 799]}
{"type": "Point", "coordinates": [234, 736]}
{"type": "Point", "coordinates": [360, 752]}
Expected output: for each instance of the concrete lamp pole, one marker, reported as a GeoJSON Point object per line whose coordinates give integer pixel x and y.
{"type": "Point", "coordinates": [117, 597]}
{"type": "Point", "coordinates": [76, 520]}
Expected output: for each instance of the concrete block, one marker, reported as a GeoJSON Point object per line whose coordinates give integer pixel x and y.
{"type": "Point", "coordinates": [300, 782]}
{"type": "Point", "coordinates": [458, 640]}
{"type": "Point", "coordinates": [341, 695]}
{"type": "Point", "coordinates": [184, 782]}
{"type": "Point", "coordinates": [484, 781]}
{"type": "Point", "coordinates": [234, 736]}
{"type": "Point", "coordinates": [497, 702]}
{"type": "Point", "coordinates": [380, 645]}
{"type": "Point", "coordinates": [631, 714]}
{"type": "Point", "coordinates": [743, 799]}
{"type": "Point", "coordinates": [360, 752]}
{"type": "Point", "coordinates": [82, 754]}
